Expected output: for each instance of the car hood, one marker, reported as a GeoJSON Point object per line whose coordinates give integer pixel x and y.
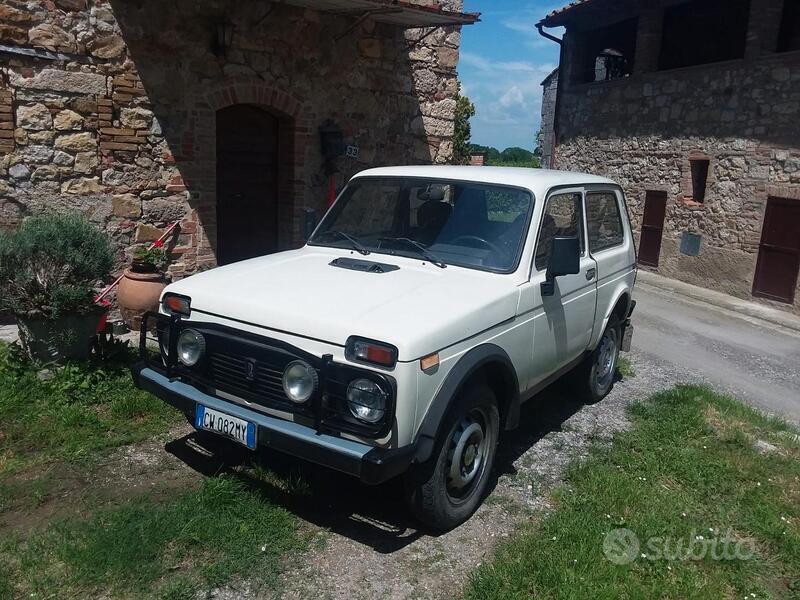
{"type": "Point", "coordinates": [419, 308]}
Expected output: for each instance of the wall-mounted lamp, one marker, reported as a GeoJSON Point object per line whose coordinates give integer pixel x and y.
{"type": "Point", "coordinates": [224, 37]}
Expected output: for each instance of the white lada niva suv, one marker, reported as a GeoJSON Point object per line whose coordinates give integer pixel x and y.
{"type": "Point", "coordinates": [427, 305]}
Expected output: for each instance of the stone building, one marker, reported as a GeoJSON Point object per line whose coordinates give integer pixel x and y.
{"type": "Point", "coordinates": [546, 130]}
{"type": "Point", "coordinates": [693, 107]}
{"type": "Point", "coordinates": [142, 113]}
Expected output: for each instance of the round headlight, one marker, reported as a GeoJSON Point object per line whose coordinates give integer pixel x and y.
{"type": "Point", "coordinates": [191, 346]}
{"type": "Point", "coordinates": [367, 400]}
{"type": "Point", "coordinates": [299, 381]}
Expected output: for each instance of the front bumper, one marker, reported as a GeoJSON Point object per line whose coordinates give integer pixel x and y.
{"type": "Point", "coordinates": [370, 464]}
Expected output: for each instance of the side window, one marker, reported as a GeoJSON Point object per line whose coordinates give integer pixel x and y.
{"type": "Point", "coordinates": [603, 221]}
{"type": "Point", "coordinates": [563, 217]}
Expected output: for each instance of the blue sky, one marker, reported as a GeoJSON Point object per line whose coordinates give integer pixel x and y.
{"type": "Point", "coordinates": [503, 61]}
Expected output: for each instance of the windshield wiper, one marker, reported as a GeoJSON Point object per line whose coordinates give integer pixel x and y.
{"type": "Point", "coordinates": [430, 256]}
{"type": "Point", "coordinates": [354, 243]}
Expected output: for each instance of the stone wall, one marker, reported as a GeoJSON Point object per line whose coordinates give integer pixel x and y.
{"type": "Point", "coordinates": [643, 130]}
{"type": "Point", "coordinates": [546, 130]}
{"type": "Point", "coordinates": [115, 117]}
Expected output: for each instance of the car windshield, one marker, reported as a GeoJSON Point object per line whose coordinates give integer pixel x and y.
{"type": "Point", "coordinates": [458, 223]}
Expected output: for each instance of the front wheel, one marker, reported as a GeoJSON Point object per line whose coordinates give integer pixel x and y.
{"type": "Point", "coordinates": [445, 491]}
{"type": "Point", "coordinates": [595, 376]}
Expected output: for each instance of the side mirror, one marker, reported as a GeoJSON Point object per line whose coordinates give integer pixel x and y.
{"type": "Point", "coordinates": [565, 259]}
{"type": "Point", "coordinates": [309, 222]}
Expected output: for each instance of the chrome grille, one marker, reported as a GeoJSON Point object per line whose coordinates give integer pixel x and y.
{"type": "Point", "coordinates": [229, 373]}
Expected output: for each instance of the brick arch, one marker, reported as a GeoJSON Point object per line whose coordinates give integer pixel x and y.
{"type": "Point", "coordinates": [232, 91]}
{"type": "Point", "coordinates": [295, 119]}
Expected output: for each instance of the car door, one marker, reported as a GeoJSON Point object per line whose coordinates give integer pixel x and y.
{"type": "Point", "coordinates": [563, 321]}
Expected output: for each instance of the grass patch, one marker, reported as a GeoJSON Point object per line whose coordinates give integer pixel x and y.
{"type": "Point", "coordinates": [75, 413]}
{"type": "Point", "coordinates": [687, 473]}
{"type": "Point", "coordinates": [171, 549]}
{"type": "Point", "coordinates": [625, 367]}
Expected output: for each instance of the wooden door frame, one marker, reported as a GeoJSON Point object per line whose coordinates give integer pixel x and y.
{"type": "Point", "coordinates": [644, 226]}
{"type": "Point", "coordinates": [275, 127]}
{"type": "Point", "coordinates": [774, 200]}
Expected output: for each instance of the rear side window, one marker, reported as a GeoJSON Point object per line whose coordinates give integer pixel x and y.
{"type": "Point", "coordinates": [603, 221]}
{"type": "Point", "coordinates": [563, 217]}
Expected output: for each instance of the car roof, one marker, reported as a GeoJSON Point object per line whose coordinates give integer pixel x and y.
{"type": "Point", "coordinates": [539, 181]}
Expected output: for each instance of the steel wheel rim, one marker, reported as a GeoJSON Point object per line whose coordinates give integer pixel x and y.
{"type": "Point", "coordinates": [606, 359]}
{"type": "Point", "coordinates": [469, 444]}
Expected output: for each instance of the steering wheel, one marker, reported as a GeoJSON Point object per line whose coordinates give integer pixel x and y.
{"type": "Point", "coordinates": [480, 240]}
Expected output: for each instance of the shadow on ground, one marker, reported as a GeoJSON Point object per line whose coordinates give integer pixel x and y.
{"type": "Point", "coordinates": [371, 515]}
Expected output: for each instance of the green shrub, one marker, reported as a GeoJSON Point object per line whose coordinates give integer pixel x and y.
{"type": "Point", "coordinates": [50, 265]}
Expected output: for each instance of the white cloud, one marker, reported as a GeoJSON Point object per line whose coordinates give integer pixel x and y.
{"type": "Point", "coordinates": [504, 79]}
{"type": "Point", "coordinates": [483, 64]}
{"type": "Point", "coordinates": [512, 97]}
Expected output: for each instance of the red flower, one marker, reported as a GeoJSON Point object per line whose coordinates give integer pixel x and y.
{"type": "Point", "coordinates": [158, 244]}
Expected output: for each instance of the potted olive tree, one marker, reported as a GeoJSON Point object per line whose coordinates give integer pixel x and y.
{"type": "Point", "coordinates": [142, 284]}
{"type": "Point", "coordinates": [49, 268]}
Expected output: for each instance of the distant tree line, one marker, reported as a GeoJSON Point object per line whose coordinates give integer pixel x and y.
{"type": "Point", "coordinates": [463, 149]}
{"type": "Point", "coordinates": [510, 157]}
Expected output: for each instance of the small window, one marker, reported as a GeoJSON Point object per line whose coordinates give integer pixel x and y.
{"type": "Point", "coordinates": [603, 221]}
{"type": "Point", "coordinates": [703, 31]}
{"type": "Point", "coordinates": [563, 217]}
{"type": "Point", "coordinates": [789, 38]}
{"type": "Point", "coordinates": [699, 178]}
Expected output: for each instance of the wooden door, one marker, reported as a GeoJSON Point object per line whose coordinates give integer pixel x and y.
{"type": "Point", "coordinates": [247, 183]}
{"type": "Point", "coordinates": [779, 253]}
{"type": "Point", "coordinates": [655, 209]}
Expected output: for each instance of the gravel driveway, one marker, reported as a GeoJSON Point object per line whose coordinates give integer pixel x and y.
{"type": "Point", "coordinates": [367, 547]}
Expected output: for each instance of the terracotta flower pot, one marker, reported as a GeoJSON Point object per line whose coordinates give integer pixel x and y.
{"type": "Point", "coordinates": [139, 293]}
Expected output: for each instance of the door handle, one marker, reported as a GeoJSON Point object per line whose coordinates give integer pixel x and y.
{"type": "Point", "coordinates": [590, 274]}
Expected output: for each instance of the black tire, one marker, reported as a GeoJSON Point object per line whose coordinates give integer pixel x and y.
{"type": "Point", "coordinates": [596, 374]}
{"type": "Point", "coordinates": [432, 495]}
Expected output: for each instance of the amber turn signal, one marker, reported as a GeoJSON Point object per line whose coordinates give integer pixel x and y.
{"type": "Point", "coordinates": [176, 305]}
{"type": "Point", "coordinates": [429, 362]}
{"type": "Point", "coordinates": [369, 351]}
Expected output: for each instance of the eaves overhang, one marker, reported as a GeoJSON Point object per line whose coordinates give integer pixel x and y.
{"type": "Point", "coordinates": [400, 13]}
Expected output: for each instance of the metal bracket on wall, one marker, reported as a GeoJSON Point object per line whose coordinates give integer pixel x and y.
{"type": "Point", "coordinates": [363, 17]}
{"type": "Point", "coordinates": [44, 54]}
{"type": "Point", "coordinates": [421, 38]}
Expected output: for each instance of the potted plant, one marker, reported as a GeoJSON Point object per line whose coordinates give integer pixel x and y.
{"type": "Point", "coordinates": [48, 271]}
{"type": "Point", "coordinates": [142, 284]}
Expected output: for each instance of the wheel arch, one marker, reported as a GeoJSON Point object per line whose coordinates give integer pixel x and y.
{"type": "Point", "coordinates": [621, 307]}
{"type": "Point", "coordinates": [487, 362]}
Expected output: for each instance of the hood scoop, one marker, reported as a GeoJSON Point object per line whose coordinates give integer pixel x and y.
{"type": "Point", "coordinates": [365, 266]}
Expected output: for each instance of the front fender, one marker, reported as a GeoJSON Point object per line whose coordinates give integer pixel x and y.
{"type": "Point", "coordinates": [469, 364]}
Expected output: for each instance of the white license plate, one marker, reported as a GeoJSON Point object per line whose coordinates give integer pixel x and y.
{"type": "Point", "coordinates": [234, 428]}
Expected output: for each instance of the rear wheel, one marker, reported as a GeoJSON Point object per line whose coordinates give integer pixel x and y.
{"type": "Point", "coordinates": [595, 376]}
{"type": "Point", "coordinates": [445, 491]}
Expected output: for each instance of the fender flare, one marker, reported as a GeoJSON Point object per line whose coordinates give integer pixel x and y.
{"type": "Point", "coordinates": [447, 394]}
{"type": "Point", "coordinates": [611, 306]}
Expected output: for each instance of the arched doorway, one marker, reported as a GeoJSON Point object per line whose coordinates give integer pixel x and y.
{"type": "Point", "coordinates": [247, 183]}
